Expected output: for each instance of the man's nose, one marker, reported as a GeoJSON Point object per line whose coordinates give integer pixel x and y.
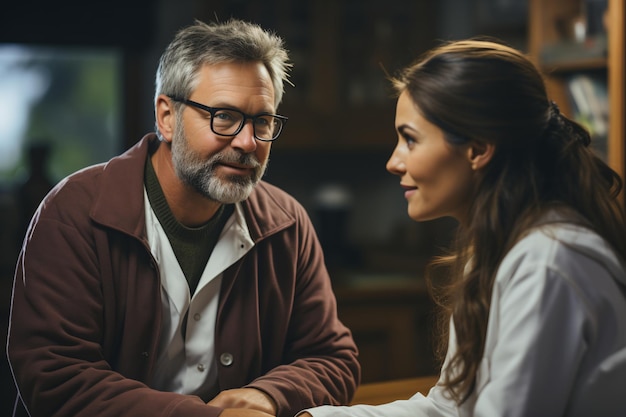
{"type": "Point", "coordinates": [245, 140]}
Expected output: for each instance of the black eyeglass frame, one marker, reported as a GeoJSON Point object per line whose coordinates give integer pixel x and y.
{"type": "Point", "coordinates": [213, 110]}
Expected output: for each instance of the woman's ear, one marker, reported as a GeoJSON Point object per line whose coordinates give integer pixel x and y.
{"type": "Point", "coordinates": [480, 153]}
{"type": "Point", "coordinates": [165, 119]}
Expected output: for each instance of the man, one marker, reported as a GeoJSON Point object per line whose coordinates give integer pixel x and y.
{"type": "Point", "coordinates": [172, 281]}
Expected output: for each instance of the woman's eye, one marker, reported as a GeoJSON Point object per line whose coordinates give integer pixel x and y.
{"type": "Point", "coordinates": [410, 140]}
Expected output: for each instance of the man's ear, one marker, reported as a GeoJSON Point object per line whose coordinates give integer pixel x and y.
{"type": "Point", "coordinates": [165, 118]}
{"type": "Point", "coordinates": [480, 153]}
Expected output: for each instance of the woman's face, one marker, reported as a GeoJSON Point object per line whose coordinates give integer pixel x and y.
{"type": "Point", "coordinates": [437, 177]}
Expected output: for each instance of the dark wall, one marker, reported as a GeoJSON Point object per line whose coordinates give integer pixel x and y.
{"type": "Point", "coordinates": [70, 22]}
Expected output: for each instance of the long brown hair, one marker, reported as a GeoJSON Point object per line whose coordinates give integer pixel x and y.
{"type": "Point", "coordinates": [484, 91]}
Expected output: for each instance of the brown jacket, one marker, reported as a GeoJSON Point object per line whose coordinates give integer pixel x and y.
{"type": "Point", "coordinates": [86, 311]}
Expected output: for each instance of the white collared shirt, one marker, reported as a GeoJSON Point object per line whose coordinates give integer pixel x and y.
{"type": "Point", "coordinates": [187, 364]}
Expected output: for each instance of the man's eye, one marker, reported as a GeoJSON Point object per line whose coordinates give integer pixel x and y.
{"type": "Point", "coordinates": [225, 116]}
{"type": "Point", "coordinates": [262, 121]}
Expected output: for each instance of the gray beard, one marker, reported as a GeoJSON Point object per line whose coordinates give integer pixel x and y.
{"type": "Point", "coordinates": [200, 174]}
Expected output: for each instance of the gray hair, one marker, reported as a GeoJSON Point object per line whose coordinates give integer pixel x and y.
{"type": "Point", "coordinates": [232, 41]}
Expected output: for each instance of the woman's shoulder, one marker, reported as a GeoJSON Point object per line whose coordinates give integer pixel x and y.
{"type": "Point", "coordinates": [569, 251]}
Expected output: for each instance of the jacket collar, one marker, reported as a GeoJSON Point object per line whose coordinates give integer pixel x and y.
{"type": "Point", "coordinates": [119, 202]}
{"type": "Point", "coordinates": [120, 205]}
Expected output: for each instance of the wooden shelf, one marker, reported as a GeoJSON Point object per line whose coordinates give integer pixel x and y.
{"type": "Point", "coordinates": [569, 66]}
{"type": "Point", "coordinates": [548, 26]}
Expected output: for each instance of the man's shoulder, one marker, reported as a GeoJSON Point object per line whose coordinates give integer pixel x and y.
{"type": "Point", "coordinates": [117, 169]}
{"type": "Point", "coordinates": [101, 191]}
{"type": "Point", "coordinates": [82, 182]}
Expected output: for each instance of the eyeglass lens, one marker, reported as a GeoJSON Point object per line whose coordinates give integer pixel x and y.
{"type": "Point", "coordinates": [228, 122]}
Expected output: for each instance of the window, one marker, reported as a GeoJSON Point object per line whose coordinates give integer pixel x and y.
{"type": "Point", "coordinates": [68, 99]}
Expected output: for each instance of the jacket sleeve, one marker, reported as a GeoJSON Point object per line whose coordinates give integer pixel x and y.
{"type": "Point", "coordinates": [319, 362]}
{"type": "Point", "coordinates": [55, 342]}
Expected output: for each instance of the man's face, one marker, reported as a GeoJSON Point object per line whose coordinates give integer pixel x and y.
{"type": "Point", "coordinates": [223, 169]}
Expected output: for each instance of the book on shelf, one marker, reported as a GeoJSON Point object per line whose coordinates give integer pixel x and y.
{"type": "Point", "coordinates": [589, 101]}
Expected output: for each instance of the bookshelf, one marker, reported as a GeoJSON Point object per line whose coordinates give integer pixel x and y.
{"type": "Point", "coordinates": [574, 40]}
{"type": "Point", "coordinates": [342, 101]}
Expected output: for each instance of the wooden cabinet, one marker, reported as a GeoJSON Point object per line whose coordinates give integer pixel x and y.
{"type": "Point", "coordinates": [568, 38]}
{"type": "Point", "coordinates": [392, 324]}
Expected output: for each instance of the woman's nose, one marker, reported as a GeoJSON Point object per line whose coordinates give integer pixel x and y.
{"type": "Point", "coordinates": [395, 164]}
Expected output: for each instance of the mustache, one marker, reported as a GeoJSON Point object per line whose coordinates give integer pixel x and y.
{"type": "Point", "coordinates": [236, 158]}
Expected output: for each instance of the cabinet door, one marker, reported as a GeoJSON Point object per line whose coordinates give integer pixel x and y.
{"type": "Point", "coordinates": [392, 327]}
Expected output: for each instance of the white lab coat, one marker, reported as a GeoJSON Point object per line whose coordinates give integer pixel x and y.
{"type": "Point", "coordinates": [556, 337]}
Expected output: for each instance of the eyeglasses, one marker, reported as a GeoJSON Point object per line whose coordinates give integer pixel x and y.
{"type": "Point", "coordinates": [229, 122]}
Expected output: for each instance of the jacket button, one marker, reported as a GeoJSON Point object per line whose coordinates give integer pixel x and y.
{"type": "Point", "coordinates": [226, 359]}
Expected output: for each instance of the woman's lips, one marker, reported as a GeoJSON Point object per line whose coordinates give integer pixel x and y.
{"type": "Point", "coordinates": [408, 190]}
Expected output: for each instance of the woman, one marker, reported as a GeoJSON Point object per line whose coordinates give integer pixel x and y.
{"type": "Point", "coordinates": [537, 299]}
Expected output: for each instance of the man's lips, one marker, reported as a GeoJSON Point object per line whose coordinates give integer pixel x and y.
{"type": "Point", "coordinates": [237, 168]}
